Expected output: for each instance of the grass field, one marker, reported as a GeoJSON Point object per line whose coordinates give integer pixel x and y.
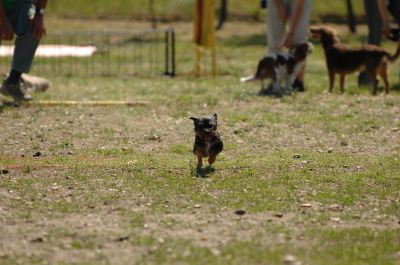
{"type": "Point", "coordinates": [183, 9]}
{"type": "Point", "coordinates": [317, 174]}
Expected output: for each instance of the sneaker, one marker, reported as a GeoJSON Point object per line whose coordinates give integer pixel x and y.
{"type": "Point", "coordinates": [16, 91]}
{"type": "Point", "coordinates": [298, 85]}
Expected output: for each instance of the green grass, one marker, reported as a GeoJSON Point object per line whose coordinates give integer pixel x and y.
{"type": "Point", "coordinates": [317, 174]}
{"type": "Point", "coordinates": [172, 9]}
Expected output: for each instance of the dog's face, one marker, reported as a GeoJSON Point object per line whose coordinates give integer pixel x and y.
{"type": "Point", "coordinates": [323, 34]}
{"type": "Point", "coordinates": [301, 51]}
{"type": "Point", "coordinates": [204, 126]}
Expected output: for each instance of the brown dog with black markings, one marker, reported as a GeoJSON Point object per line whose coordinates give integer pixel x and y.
{"type": "Point", "coordinates": [207, 142]}
{"type": "Point", "coordinates": [343, 60]}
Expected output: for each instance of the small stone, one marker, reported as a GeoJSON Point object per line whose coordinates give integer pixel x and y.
{"type": "Point", "coordinates": [197, 206]}
{"type": "Point", "coordinates": [37, 154]}
{"type": "Point", "coordinates": [296, 156]}
{"type": "Point", "coordinates": [153, 137]}
{"type": "Point", "coordinates": [335, 219]}
{"type": "Point", "coordinates": [38, 240]}
{"type": "Point", "coordinates": [330, 150]}
{"type": "Point", "coordinates": [356, 216]}
{"type": "Point", "coordinates": [4, 171]}
{"type": "Point", "coordinates": [279, 215]}
{"type": "Point", "coordinates": [335, 207]}
{"type": "Point", "coordinates": [290, 260]}
{"type": "Point", "coordinates": [395, 129]}
{"type": "Point", "coordinates": [240, 212]}
{"type": "Point", "coordinates": [122, 238]}
{"type": "Point", "coordinates": [306, 205]}
{"type": "Point", "coordinates": [344, 143]}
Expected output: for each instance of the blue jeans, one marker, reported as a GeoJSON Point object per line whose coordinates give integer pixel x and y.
{"type": "Point", "coordinates": [25, 44]}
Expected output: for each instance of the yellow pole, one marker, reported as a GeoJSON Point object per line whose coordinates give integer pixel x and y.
{"type": "Point", "coordinates": [214, 61]}
{"type": "Point", "coordinates": [85, 102]}
{"type": "Point", "coordinates": [198, 60]}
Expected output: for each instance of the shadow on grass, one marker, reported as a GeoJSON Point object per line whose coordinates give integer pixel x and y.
{"type": "Point", "coordinates": [7, 104]}
{"type": "Point", "coordinates": [205, 172]}
{"type": "Point", "coordinates": [255, 39]}
{"type": "Point", "coordinates": [396, 87]}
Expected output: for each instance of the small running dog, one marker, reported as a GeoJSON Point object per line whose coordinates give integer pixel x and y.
{"type": "Point", "coordinates": [343, 60]}
{"type": "Point", "coordinates": [207, 142]}
{"type": "Point", "coordinates": [281, 68]}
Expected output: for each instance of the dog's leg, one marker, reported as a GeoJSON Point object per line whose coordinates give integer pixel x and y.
{"type": "Point", "coordinates": [211, 159]}
{"type": "Point", "coordinates": [331, 80]}
{"type": "Point", "coordinates": [383, 72]}
{"type": "Point", "coordinates": [199, 161]}
{"type": "Point", "coordinates": [372, 74]}
{"type": "Point", "coordinates": [276, 83]}
{"type": "Point", "coordinates": [342, 79]}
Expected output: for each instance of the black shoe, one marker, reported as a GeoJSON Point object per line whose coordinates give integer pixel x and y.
{"type": "Point", "coordinates": [15, 91]}
{"type": "Point", "coordinates": [394, 35]}
{"type": "Point", "coordinates": [298, 85]}
{"type": "Point", "coordinates": [269, 91]}
{"type": "Point", "coordinates": [363, 79]}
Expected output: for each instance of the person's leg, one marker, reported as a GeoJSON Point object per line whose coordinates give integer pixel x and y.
{"type": "Point", "coordinates": [275, 29]}
{"type": "Point", "coordinates": [301, 36]}
{"type": "Point", "coordinates": [374, 23]}
{"type": "Point", "coordinates": [275, 39]}
{"type": "Point", "coordinates": [25, 43]}
{"type": "Point", "coordinates": [24, 51]}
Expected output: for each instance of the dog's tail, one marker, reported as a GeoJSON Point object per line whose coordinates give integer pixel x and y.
{"type": "Point", "coordinates": [394, 57]}
{"type": "Point", "coordinates": [248, 79]}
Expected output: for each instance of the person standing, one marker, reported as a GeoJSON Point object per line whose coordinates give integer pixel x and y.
{"type": "Point", "coordinates": [291, 14]}
{"type": "Point", "coordinates": [23, 18]}
{"type": "Point", "coordinates": [378, 23]}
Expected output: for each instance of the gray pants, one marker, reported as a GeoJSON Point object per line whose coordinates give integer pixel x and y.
{"type": "Point", "coordinates": [25, 44]}
{"type": "Point", "coordinates": [374, 20]}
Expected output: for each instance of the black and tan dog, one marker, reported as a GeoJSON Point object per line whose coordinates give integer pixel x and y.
{"type": "Point", "coordinates": [343, 60]}
{"type": "Point", "coordinates": [281, 68]}
{"type": "Point", "coordinates": [207, 142]}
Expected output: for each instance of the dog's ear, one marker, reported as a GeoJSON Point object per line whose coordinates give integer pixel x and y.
{"type": "Point", "coordinates": [315, 33]}
{"type": "Point", "coordinates": [215, 116]}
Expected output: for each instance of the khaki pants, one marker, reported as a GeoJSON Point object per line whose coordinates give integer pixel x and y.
{"type": "Point", "coordinates": [276, 28]}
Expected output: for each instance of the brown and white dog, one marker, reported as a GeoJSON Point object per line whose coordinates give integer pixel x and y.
{"type": "Point", "coordinates": [343, 60]}
{"type": "Point", "coordinates": [281, 68]}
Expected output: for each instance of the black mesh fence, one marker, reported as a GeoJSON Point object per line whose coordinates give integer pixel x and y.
{"type": "Point", "coordinates": [146, 53]}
